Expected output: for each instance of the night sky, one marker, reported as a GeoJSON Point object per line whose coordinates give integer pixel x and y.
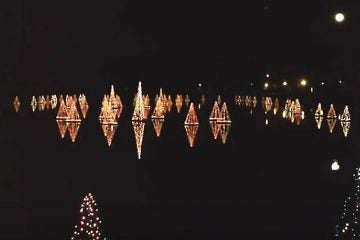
{"type": "Point", "coordinates": [176, 42]}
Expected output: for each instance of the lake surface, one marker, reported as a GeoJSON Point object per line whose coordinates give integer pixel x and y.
{"type": "Point", "coordinates": [271, 179]}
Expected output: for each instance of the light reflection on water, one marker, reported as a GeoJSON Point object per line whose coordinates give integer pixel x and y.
{"type": "Point", "coordinates": [275, 112]}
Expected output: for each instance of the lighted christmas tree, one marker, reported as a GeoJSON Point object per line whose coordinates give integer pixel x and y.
{"type": "Point", "coordinates": [215, 128]}
{"type": "Point", "coordinates": [107, 115]}
{"type": "Point", "coordinates": [109, 132]}
{"type": "Point", "coordinates": [147, 101]}
{"type": "Point", "coordinates": [63, 126]}
{"type": "Point", "coordinates": [53, 101]}
{"type": "Point", "coordinates": [158, 110]}
{"type": "Point", "coordinates": [345, 116]}
{"type": "Point", "coordinates": [156, 98]}
{"type": "Point", "coordinates": [138, 114]}
{"type": "Point", "coordinates": [90, 222]}
{"type": "Point", "coordinates": [318, 121]}
{"type": "Point", "coordinates": [41, 103]}
{"type": "Point", "coordinates": [139, 127]}
{"type": "Point", "coordinates": [62, 112]}
{"type": "Point", "coordinates": [331, 112]}
{"type": "Point", "coordinates": [215, 112]}
{"type": "Point", "coordinates": [237, 100]}
{"type": "Point", "coordinates": [268, 104]}
{"type": "Point", "coordinates": [47, 102]}
{"type": "Point", "coordinates": [33, 103]}
{"type": "Point", "coordinates": [345, 125]}
{"type": "Point", "coordinates": [297, 106]}
{"type": "Point", "coordinates": [224, 131]}
{"type": "Point", "coordinates": [73, 113]}
{"type": "Point", "coordinates": [349, 228]}
{"type": "Point", "coordinates": [157, 123]}
{"type": "Point", "coordinates": [331, 123]}
{"type": "Point", "coordinates": [191, 131]}
{"type": "Point", "coordinates": [169, 103]}
{"type": "Point", "coordinates": [254, 101]}
{"type": "Point", "coordinates": [319, 111]}
{"type": "Point", "coordinates": [84, 106]}
{"type": "Point", "coordinates": [73, 128]}
{"type": "Point", "coordinates": [61, 98]}
{"type": "Point", "coordinates": [247, 101]}
{"type": "Point", "coordinates": [178, 102]}
{"type": "Point", "coordinates": [16, 104]}
{"type": "Point", "coordinates": [225, 116]}
{"type": "Point", "coordinates": [191, 118]}
{"type": "Point", "coordinates": [187, 100]}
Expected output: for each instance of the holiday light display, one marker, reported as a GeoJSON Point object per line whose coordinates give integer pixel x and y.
{"type": "Point", "coordinates": [62, 112]}
{"type": "Point", "coordinates": [345, 125]}
{"type": "Point", "coordinates": [178, 102]}
{"type": "Point", "coordinates": [297, 107]}
{"type": "Point", "coordinates": [158, 123]}
{"type": "Point", "coordinates": [90, 222]}
{"type": "Point", "coordinates": [191, 131]}
{"type": "Point", "coordinates": [349, 228]}
{"type": "Point", "coordinates": [73, 128]}
{"type": "Point", "coordinates": [254, 101]}
{"type": "Point", "coordinates": [224, 131]}
{"type": "Point", "coordinates": [331, 112]}
{"type": "Point", "coordinates": [139, 127]}
{"type": "Point", "coordinates": [268, 104]}
{"type": "Point", "coordinates": [215, 128]}
{"type": "Point", "coordinates": [73, 112]}
{"type": "Point", "coordinates": [215, 112]}
{"type": "Point", "coordinates": [84, 106]}
{"type": "Point", "coordinates": [345, 116]}
{"type": "Point", "coordinates": [41, 103]}
{"type": "Point", "coordinates": [47, 102]}
{"type": "Point", "coordinates": [331, 123]}
{"type": "Point", "coordinates": [191, 118]}
{"type": "Point", "coordinates": [187, 100]}
{"type": "Point", "coordinates": [63, 127]}
{"type": "Point", "coordinates": [109, 130]}
{"type": "Point", "coordinates": [53, 101]}
{"type": "Point", "coordinates": [147, 107]}
{"type": "Point", "coordinates": [138, 114]}
{"type": "Point", "coordinates": [16, 104]}
{"type": "Point", "coordinates": [107, 115]}
{"type": "Point", "coordinates": [319, 111]}
{"type": "Point", "coordinates": [225, 116]}
{"type": "Point", "coordinates": [318, 121]}
{"type": "Point", "coordinates": [247, 101]}
{"type": "Point", "coordinates": [169, 103]}
{"type": "Point", "coordinates": [159, 110]}
{"type": "Point", "coordinates": [237, 100]}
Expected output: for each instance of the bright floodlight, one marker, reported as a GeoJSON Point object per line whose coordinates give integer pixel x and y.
{"type": "Point", "coordinates": [284, 83]}
{"type": "Point", "coordinates": [335, 165]}
{"type": "Point", "coordinates": [266, 85]}
{"type": "Point", "coordinates": [339, 17]}
{"type": "Point", "coordinates": [267, 75]}
{"type": "Point", "coordinates": [303, 82]}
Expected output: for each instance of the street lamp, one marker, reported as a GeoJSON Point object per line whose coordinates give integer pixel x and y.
{"type": "Point", "coordinates": [339, 17]}
{"type": "Point", "coordinates": [266, 85]}
{"type": "Point", "coordinates": [284, 83]}
{"type": "Point", "coordinates": [303, 82]}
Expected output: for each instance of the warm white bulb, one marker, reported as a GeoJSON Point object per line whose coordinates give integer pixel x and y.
{"type": "Point", "coordinates": [335, 166]}
{"type": "Point", "coordinates": [339, 17]}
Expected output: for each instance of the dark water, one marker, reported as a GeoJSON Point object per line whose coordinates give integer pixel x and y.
{"type": "Point", "coordinates": [267, 182]}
